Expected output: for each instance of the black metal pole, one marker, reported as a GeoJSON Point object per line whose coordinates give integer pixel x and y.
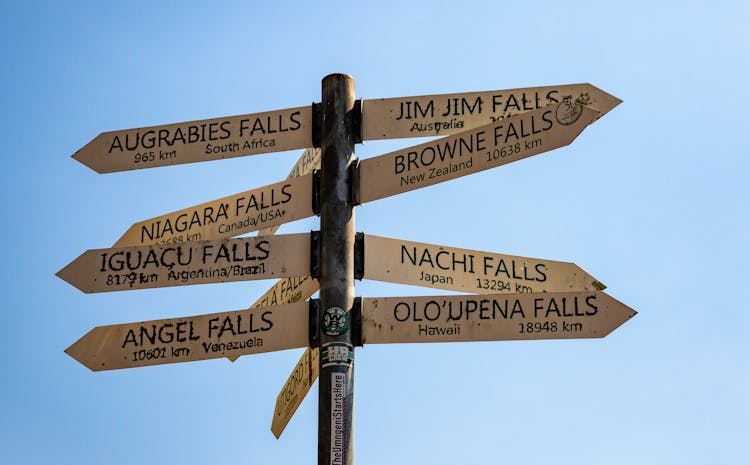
{"type": "Point", "coordinates": [336, 398]}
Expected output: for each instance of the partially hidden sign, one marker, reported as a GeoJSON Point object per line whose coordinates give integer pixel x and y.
{"type": "Point", "coordinates": [504, 141]}
{"type": "Point", "coordinates": [501, 317]}
{"type": "Point", "coordinates": [229, 216]}
{"type": "Point", "coordinates": [187, 339]}
{"type": "Point", "coordinates": [194, 141]}
{"type": "Point", "coordinates": [151, 266]}
{"type": "Point", "coordinates": [307, 163]}
{"type": "Point", "coordinates": [445, 114]}
{"type": "Point", "coordinates": [295, 389]}
{"type": "Point", "coordinates": [465, 270]}
{"type": "Point", "coordinates": [287, 291]}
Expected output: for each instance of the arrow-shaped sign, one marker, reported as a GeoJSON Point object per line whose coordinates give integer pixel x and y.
{"type": "Point", "coordinates": [464, 270]}
{"type": "Point", "coordinates": [510, 139]}
{"type": "Point", "coordinates": [554, 315]}
{"type": "Point", "coordinates": [202, 337]}
{"type": "Point", "coordinates": [143, 267]}
{"type": "Point", "coordinates": [194, 141]}
{"type": "Point", "coordinates": [230, 216]}
{"type": "Point", "coordinates": [294, 391]}
{"type": "Point", "coordinates": [442, 115]}
{"type": "Point", "coordinates": [286, 291]}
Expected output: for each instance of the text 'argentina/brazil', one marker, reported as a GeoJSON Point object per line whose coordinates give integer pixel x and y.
{"type": "Point", "coordinates": [248, 258]}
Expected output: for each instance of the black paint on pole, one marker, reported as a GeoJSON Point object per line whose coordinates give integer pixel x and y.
{"type": "Point", "coordinates": [336, 394]}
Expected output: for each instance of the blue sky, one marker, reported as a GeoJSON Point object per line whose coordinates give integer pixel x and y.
{"type": "Point", "coordinates": [651, 200]}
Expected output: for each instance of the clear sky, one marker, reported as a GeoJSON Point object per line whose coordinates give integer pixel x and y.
{"type": "Point", "coordinates": [652, 200]}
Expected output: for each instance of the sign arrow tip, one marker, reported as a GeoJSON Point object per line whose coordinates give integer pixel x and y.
{"type": "Point", "coordinates": [69, 275]}
{"type": "Point", "coordinates": [78, 352]}
{"type": "Point", "coordinates": [605, 102]}
{"type": "Point", "coordinates": [86, 155]}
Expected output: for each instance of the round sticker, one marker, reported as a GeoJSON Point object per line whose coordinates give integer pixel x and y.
{"type": "Point", "coordinates": [335, 321]}
{"type": "Point", "coordinates": [568, 112]}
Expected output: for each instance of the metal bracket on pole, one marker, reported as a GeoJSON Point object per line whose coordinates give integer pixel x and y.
{"type": "Point", "coordinates": [355, 116]}
{"type": "Point", "coordinates": [316, 192]}
{"type": "Point", "coordinates": [354, 182]}
{"type": "Point", "coordinates": [317, 124]}
{"type": "Point", "coordinates": [315, 254]}
{"type": "Point", "coordinates": [359, 256]}
{"type": "Point", "coordinates": [356, 319]}
{"type": "Point", "coordinates": [313, 335]}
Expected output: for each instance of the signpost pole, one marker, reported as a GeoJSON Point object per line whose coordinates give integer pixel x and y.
{"type": "Point", "coordinates": [336, 398]}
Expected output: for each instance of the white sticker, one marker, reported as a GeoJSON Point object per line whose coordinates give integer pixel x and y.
{"type": "Point", "coordinates": [338, 418]}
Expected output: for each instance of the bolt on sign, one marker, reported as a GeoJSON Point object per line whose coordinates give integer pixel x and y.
{"type": "Point", "coordinates": [226, 260]}
{"type": "Point", "coordinates": [464, 270]}
{"type": "Point", "coordinates": [501, 317]}
{"type": "Point", "coordinates": [442, 115]}
{"type": "Point", "coordinates": [186, 339]}
{"type": "Point", "coordinates": [194, 141]}
{"type": "Point", "coordinates": [498, 143]}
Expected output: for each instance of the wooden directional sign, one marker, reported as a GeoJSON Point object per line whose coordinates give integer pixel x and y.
{"type": "Point", "coordinates": [510, 139]}
{"type": "Point", "coordinates": [243, 259]}
{"type": "Point", "coordinates": [286, 291]}
{"type": "Point", "coordinates": [305, 372]}
{"type": "Point", "coordinates": [193, 141]}
{"type": "Point", "coordinates": [442, 115]}
{"type": "Point", "coordinates": [186, 339]}
{"type": "Point", "coordinates": [294, 391]}
{"type": "Point", "coordinates": [501, 317]}
{"type": "Point", "coordinates": [429, 265]}
{"type": "Point", "coordinates": [227, 217]}
{"type": "Point", "coordinates": [309, 161]}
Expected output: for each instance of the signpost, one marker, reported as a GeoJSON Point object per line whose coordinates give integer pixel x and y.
{"type": "Point", "coordinates": [508, 140]}
{"type": "Point", "coordinates": [150, 266]}
{"type": "Point", "coordinates": [501, 317]}
{"type": "Point", "coordinates": [336, 399]}
{"type": "Point", "coordinates": [513, 297]}
{"type": "Point", "coordinates": [187, 339]}
{"type": "Point", "coordinates": [437, 266]}
{"type": "Point", "coordinates": [193, 141]}
{"type": "Point", "coordinates": [442, 115]}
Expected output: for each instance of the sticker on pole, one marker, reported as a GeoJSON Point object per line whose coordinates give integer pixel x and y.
{"type": "Point", "coordinates": [335, 321]}
{"type": "Point", "coordinates": [337, 353]}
